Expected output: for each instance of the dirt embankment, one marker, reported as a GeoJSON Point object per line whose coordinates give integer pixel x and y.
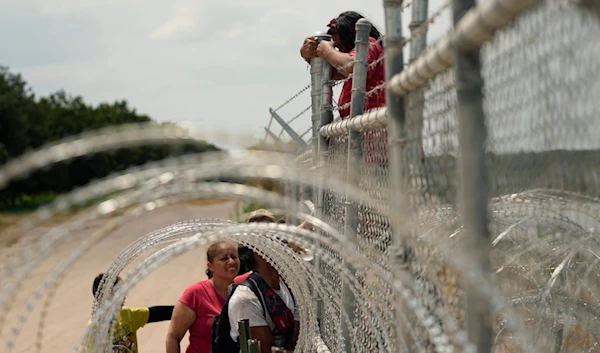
{"type": "Point", "coordinates": [69, 311]}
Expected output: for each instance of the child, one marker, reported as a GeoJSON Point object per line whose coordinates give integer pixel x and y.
{"type": "Point", "coordinates": [129, 320]}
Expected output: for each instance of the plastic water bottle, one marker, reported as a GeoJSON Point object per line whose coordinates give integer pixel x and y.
{"type": "Point", "coordinates": [308, 256]}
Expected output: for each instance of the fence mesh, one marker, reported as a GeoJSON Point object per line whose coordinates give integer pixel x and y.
{"type": "Point", "coordinates": [541, 105]}
{"type": "Point", "coordinates": [542, 101]}
{"type": "Point", "coordinates": [542, 111]}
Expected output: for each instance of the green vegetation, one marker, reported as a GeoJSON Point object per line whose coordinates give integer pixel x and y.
{"type": "Point", "coordinates": [28, 122]}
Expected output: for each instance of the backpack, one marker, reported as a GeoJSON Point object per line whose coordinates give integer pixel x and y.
{"type": "Point", "coordinates": [281, 316]}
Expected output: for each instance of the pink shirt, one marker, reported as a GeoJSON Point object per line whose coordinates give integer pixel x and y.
{"type": "Point", "coordinates": [206, 302]}
{"type": "Point", "coordinates": [241, 278]}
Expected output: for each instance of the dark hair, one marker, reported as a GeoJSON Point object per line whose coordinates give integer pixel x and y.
{"type": "Point", "coordinates": [96, 284]}
{"type": "Point", "coordinates": [345, 26]}
{"type": "Point", "coordinates": [247, 259]}
{"type": "Point", "coordinates": [211, 252]}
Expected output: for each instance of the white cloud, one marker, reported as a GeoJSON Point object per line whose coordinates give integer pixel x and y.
{"type": "Point", "coordinates": [179, 24]}
{"type": "Point", "coordinates": [184, 21]}
{"type": "Point", "coordinates": [234, 32]}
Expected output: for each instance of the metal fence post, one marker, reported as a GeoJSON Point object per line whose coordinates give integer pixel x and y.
{"type": "Point", "coordinates": [394, 64]}
{"type": "Point", "coordinates": [316, 87]}
{"type": "Point", "coordinates": [323, 146]}
{"type": "Point", "coordinates": [318, 69]}
{"type": "Point", "coordinates": [418, 18]}
{"type": "Point", "coordinates": [244, 331]}
{"type": "Point", "coordinates": [472, 135]}
{"type": "Point", "coordinates": [416, 100]}
{"type": "Point", "coordinates": [326, 117]}
{"type": "Point", "coordinates": [322, 114]}
{"type": "Point", "coordinates": [316, 80]}
{"type": "Point", "coordinates": [357, 107]}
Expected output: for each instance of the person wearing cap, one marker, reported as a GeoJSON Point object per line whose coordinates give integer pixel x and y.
{"type": "Point", "coordinates": [340, 54]}
{"type": "Point", "coordinates": [261, 215]}
{"type": "Point", "coordinates": [246, 255]}
{"type": "Point", "coordinates": [244, 304]}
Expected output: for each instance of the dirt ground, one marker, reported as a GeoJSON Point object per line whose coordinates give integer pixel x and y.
{"type": "Point", "coordinates": [69, 312]}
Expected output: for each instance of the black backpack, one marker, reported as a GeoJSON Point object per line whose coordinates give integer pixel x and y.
{"type": "Point", "coordinates": [280, 314]}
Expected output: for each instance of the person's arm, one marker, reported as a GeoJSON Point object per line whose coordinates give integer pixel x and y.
{"type": "Point", "coordinates": [160, 313]}
{"type": "Point", "coordinates": [308, 50]}
{"type": "Point", "coordinates": [182, 319]}
{"type": "Point", "coordinates": [245, 305]}
{"type": "Point", "coordinates": [306, 225]}
{"type": "Point", "coordinates": [264, 336]}
{"type": "Point", "coordinates": [297, 248]}
{"type": "Point", "coordinates": [341, 62]}
{"type": "Point", "coordinates": [296, 335]}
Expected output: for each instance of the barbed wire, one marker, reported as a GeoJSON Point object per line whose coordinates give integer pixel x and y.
{"type": "Point", "coordinates": [288, 101]}
{"type": "Point", "coordinates": [296, 117]}
{"type": "Point", "coordinates": [304, 89]}
{"type": "Point", "coordinates": [306, 132]}
{"type": "Point", "coordinates": [368, 94]}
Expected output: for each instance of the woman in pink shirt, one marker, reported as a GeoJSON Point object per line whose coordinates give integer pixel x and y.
{"type": "Point", "coordinates": [200, 302]}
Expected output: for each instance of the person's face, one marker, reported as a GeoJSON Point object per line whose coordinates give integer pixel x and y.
{"type": "Point", "coordinates": [226, 263]}
{"type": "Point", "coordinates": [336, 41]}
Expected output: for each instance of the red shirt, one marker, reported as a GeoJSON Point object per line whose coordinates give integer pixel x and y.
{"type": "Point", "coordinates": [206, 303]}
{"type": "Point", "coordinates": [375, 77]}
{"type": "Point", "coordinates": [241, 278]}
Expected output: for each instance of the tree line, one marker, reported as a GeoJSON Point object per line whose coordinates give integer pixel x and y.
{"type": "Point", "coordinates": [28, 122]}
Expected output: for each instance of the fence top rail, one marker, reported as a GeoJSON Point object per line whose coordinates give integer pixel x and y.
{"type": "Point", "coordinates": [476, 27]}
{"type": "Point", "coordinates": [370, 120]}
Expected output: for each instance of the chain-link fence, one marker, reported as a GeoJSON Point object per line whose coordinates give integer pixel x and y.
{"type": "Point", "coordinates": [495, 145]}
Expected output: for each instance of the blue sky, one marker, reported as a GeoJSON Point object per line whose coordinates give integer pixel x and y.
{"type": "Point", "coordinates": [216, 66]}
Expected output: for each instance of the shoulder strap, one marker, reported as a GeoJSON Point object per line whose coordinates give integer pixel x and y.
{"type": "Point", "coordinates": [252, 283]}
{"type": "Point", "coordinates": [221, 340]}
{"type": "Point", "coordinates": [289, 290]}
{"type": "Point", "coordinates": [273, 304]}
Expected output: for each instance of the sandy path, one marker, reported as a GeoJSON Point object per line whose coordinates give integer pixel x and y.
{"type": "Point", "coordinates": [69, 311]}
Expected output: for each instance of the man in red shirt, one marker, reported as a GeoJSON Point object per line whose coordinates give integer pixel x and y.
{"type": "Point", "coordinates": [340, 54]}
